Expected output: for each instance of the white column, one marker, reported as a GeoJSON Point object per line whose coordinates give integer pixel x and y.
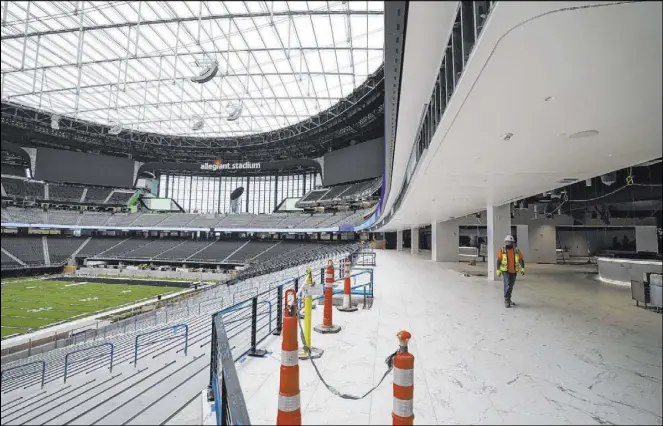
{"type": "Point", "coordinates": [542, 244]}
{"type": "Point", "coordinates": [498, 227]}
{"type": "Point", "coordinates": [522, 232]}
{"type": "Point", "coordinates": [646, 239]}
{"type": "Point", "coordinates": [399, 240]}
{"type": "Point", "coordinates": [414, 240]}
{"type": "Point", "coordinates": [444, 241]}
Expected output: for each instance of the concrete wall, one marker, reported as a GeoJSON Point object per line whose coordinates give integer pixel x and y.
{"type": "Point", "coordinates": [212, 276]}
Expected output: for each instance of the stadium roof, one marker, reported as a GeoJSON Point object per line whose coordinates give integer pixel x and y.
{"type": "Point", "coordinates": [203, 69]}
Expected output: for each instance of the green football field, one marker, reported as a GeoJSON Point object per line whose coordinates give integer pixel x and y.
{"type": "Point", "coordinates": [31, 304]}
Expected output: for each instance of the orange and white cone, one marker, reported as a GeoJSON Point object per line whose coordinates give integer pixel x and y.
{"type": "Point", "coordinates": [289, 403]}
{"type": "Point", "coordinates": [403, 411]}
{"type": "Point", "coordinates": [327, 325]}
{"type": "Point", "coordinates": [347, 290]}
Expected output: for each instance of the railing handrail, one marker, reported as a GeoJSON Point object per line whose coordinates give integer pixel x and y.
{"type": "Point", "coordinates": [43, 371]}
{"type": "Point", "coordinates": [66, 357]}
{"type": "Point", "coordinates": [173, 327]}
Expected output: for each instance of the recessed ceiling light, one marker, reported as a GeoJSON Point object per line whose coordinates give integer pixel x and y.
{"type": "Point", "coordinates": [567, 180]}
{"type": "Point", "coordinates": [506, 136]}
{"type": "Point", "coordinates": [584, 134]}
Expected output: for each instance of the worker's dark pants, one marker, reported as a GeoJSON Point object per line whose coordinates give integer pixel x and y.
{"type": "Point", "coordinates": [509, 281]}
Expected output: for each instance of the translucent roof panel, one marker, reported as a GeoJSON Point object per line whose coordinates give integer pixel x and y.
{"type": "Point", "coordinates": [131, 63]}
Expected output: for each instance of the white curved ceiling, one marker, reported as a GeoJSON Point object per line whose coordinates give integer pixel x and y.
{"type": "Point", "coordinates": [282, 61]}
{"type": "Point", "coordinates": [600, 65]}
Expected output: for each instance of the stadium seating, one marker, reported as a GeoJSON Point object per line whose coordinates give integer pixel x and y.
{"type": "Point", "coordinates": [165, 378]}
{"type": "Point", "coordinates": [61, 249]}
{"type": "Point", "coordinates": [62, 192]}
{"type": "Point", "coordinates": [122, 219]}
{"type": "Point", "coordinates": [154, 248]}
{"type": "Point", "coordinates": [218, 251]}
{"type": "Point", "coordinates": [93, 219]}
{"type": "Point", "coordinates": [251, 250]}
{"type": "Point", "coordinates": [25, 215]}
{"type": "Point", "coordinates": [8, 263]}
{"type": "Point", "coordinates": [62, 217]}
{"type": "Point", "coordinates": [97, 195]}
{"type": "Point", "coordinates": [175, 220]}
{"type": "Point", "coordinates": [98, 245]}
{"type": "Point", "coordinates": [29, 249]}
{"type": "Point", "coordinates": [120, 197]}
{"type": "Point", "coordinates": [185, 250]}
{"type": "Point", "coordinates": [340, 194]}
{"type": "Point", "coordinates": [119, 250]}
{"type": "Point", "coordinates": [23, 188]}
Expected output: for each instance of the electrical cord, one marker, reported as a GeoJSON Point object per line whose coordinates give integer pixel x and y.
{"type": "Point", "coordinates": [389, 361]}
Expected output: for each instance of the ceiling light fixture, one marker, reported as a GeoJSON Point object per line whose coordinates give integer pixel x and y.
{"type": "Point", "coordinates": [549, 98]}
{"type": "Point", "coordinates": [584, 134]}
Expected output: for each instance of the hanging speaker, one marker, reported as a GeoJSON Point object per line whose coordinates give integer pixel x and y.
{"type": "Point", "coordinates": [237, 193]}
{"type": "Point", "coordinates": [207, 74]}
{"type": "Point", "coordinates": [235, 113]}
{"type": "Point", "coordinates": [115, 129]}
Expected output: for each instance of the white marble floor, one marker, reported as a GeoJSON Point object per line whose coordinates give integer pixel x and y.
{"type": "Point", "coordinates": [574, 351]}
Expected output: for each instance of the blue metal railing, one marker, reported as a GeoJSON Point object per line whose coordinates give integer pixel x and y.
{"type": "Point", "coordinates": [43, 371]}
{"type": "Point", "coordinates": [66, 357]}
{"type": "Point", "coordinates": [172, 327]}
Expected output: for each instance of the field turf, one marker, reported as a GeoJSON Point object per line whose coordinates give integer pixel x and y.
{"type": "Point", "coordinates": [30, 304]}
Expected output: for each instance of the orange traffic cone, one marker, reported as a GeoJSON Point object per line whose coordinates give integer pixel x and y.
{"type": "Point", "coordinates": [289, 404]}
{"type": "Point", "coordinates": [347, 290]}
{"type": "Point", "coordinates": [403, 412]}
{"type": "Point", "coordinates": [327, 325]}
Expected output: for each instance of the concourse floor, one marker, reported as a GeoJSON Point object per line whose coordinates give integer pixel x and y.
{"type": "Point", "coordinates": [574, 351]}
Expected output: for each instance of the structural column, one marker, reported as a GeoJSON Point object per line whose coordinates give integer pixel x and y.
{"type": "Point", "coordinates": [646, 239]}
{"type": "Point", "coordinates": [414, 240]}
{"type": "Point", "coordinates": [399, 240]}
{"type": "Point", "coordinates": [444, 241]}
{"type": "Point", "coordinates": [499, 226]}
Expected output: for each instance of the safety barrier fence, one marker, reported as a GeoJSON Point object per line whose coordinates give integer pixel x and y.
{"type": "Point", "coordinates": [106, 344]}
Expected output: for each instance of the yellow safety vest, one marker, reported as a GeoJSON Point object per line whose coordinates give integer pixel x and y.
{"type": "Point", "coordinates": [505, 261]}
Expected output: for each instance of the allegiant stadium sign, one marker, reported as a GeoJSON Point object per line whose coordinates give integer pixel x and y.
{"type": "Point", "coordinates": [218, 165]}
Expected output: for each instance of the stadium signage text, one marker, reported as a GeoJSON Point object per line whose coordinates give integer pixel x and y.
{"type": "Point", "coordinates": [228, 166]}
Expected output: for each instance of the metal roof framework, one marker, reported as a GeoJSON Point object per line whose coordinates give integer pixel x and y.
{"type": "Point", "coordinates": [131, 63]}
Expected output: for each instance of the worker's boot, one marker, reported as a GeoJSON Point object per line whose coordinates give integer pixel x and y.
{"type": "Point", "coordinates": [507, 303]}
{"type": "Point", "coordinates": [511, 303]}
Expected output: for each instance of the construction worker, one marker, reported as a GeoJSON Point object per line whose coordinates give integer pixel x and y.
{"type": "Point", "coordinates": [510, 261]}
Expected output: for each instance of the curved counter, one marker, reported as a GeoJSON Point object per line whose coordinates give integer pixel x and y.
{"type": "Point", "coordinates": [621, 271]}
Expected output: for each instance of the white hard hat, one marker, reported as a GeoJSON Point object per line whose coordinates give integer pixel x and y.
{"type": "Point", "coordinates": [509, 239]}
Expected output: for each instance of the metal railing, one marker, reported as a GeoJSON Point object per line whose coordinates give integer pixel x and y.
{"type": "Point", "coordinates": [43, 371]}
{"type": "Point", "coordinates": [66, 357]}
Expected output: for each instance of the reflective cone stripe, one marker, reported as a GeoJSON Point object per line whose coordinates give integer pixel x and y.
{"type": "Point", "coordinates": [347, 287]}
{"type": "Point", "coordinates": [289, 404]}
{"type": "Point", "coordinates": [403, 409]}
{"type": "Point", "coordinates": [329, 294]}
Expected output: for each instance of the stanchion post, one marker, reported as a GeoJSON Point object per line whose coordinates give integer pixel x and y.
{"type": "Point", "coordinates": [279, 312]}
{"type": "Point", "coordinates": [403, 408]}
{"type": "Point", "coordinates": [254, 351]}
